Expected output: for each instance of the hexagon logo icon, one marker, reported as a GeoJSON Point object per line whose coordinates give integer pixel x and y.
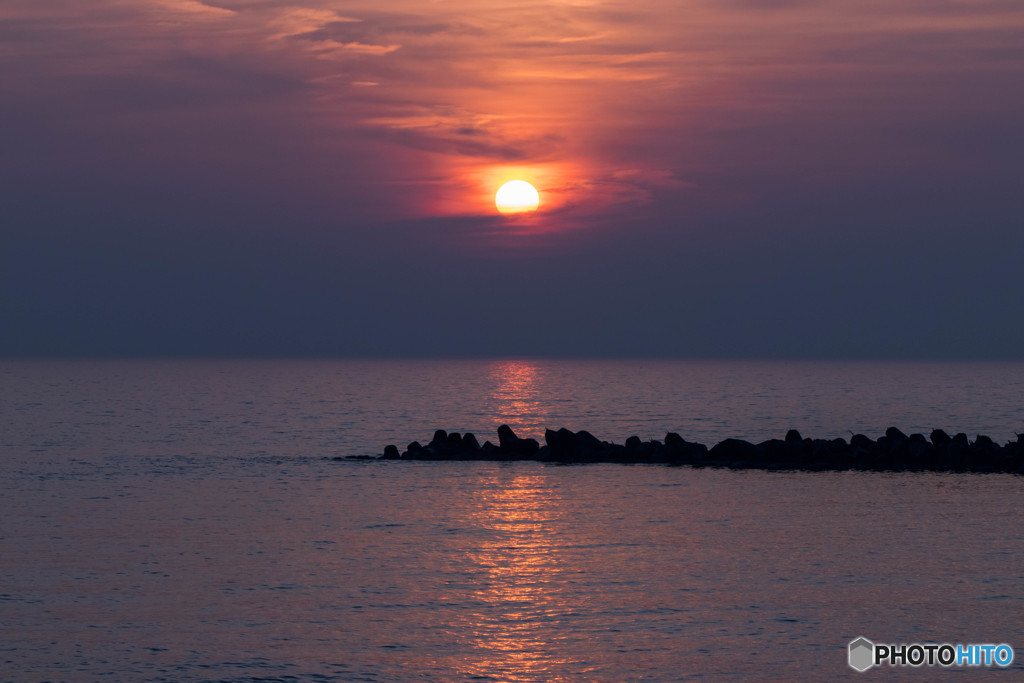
{"type": "Point", "coordinates": [862, 654]}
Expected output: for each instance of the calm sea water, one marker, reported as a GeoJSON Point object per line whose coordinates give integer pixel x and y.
{"type": "Point", "coordinates": [183, 521]}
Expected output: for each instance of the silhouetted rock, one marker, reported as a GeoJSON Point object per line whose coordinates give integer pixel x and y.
{"type": "Point", "coordinates": [511, 447]}
{"type": "Point", "coordinates": [776, 454]}
{"type": "Point", "coordinates": [861, 441]}
{"type": "Point", "coordinates": [918, 450]}
{"type": "Point", "coordinates": [735, 453]}
{"type": "Point", "coordinates": [893, 433]}
{"type": "Point", "coordinates": [528, 447]}
{"type": "Point", "coordinates": [984, 442]}
{"type": "Point", "coordinates": [567, 446]}
{"type": "Point", "coordinates": [985, 455]}
{"type": "Point", "coordinates": [894, 451]}
{"type": "Point", "coordinates": [506, 437]}
{"type": "Point", "coordinates": [562, 441]}
{"type": "Point", "coordinates": [678, 451]}
{"type": "Point", "coordinates": [586, 440]}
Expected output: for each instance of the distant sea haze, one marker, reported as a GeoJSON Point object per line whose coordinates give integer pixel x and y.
{"type": "Point", "coordinates": [186, 520]}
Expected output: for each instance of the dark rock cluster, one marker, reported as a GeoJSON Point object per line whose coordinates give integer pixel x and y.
{"type": "Point", "coordinates": [895, 451]}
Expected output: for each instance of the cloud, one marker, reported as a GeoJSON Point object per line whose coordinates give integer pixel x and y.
{"type": "Point", "coordinates": [308, 26]}
{"type": "Point", "coordinates": [298, 21]}
{"type": "Point", "coordinates": [332, 48]}
{"type": "Point", "coordinates": [196, 9]}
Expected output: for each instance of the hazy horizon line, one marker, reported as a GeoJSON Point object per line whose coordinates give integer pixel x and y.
{"type": "Point", "coordinates": [512, 358]}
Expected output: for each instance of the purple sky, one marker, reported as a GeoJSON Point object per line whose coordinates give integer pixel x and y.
{"type": "Point", "coordinates": [747, 178]}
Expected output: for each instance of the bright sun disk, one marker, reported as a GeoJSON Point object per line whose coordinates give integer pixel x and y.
{"type": "Point", "coordinates": [516, 196]}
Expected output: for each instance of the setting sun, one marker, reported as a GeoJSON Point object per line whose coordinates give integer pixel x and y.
{"type": "Point", "coordinates": [516, 196]}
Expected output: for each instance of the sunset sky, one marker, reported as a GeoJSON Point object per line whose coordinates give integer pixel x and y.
{"type": "Point", "coordinates": [738, 178]}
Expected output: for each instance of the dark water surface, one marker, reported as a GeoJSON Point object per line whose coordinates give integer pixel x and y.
{"type": "Point", "coordinates": [182, 521]}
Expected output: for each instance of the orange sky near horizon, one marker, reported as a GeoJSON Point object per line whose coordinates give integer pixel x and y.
{"type": "Point", "coordinates": [601, 105]}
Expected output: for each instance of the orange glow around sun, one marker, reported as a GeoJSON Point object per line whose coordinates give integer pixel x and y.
{"type": "Point", "coordinates": [473, 190]}
{"type": "Point", "coordinates": [517, 196]}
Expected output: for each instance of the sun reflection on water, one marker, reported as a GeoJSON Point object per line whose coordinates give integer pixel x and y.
{"type": "Point", "coordinates": [519, 594]}
{"type": "Point", "coordinates": [517, 398]}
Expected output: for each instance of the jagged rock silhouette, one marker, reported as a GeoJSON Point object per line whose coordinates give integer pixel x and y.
{"type": "Point", "coordinates": [894, 451]}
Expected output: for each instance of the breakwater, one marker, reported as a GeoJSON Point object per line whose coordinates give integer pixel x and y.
{"type": "Point", "coordinates": [893, 451]}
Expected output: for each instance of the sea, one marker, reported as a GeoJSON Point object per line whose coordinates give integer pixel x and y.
{"type": "Point", "coordinates": [187, 520]}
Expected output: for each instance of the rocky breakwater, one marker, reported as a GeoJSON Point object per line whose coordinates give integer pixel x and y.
{"type": "Point", "coordinates": [894, 451]}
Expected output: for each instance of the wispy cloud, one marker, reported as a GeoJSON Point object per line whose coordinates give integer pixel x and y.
{"type": "Point", "coordinates": [194, 8]}
{"type": "Point", "coordinates": [297, 21]}
{"type": "Point", "coordinates": [681, 89]}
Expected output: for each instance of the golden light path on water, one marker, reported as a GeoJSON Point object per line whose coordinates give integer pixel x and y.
{"type": "Point", "coordinates": [519, 598]}
{"type": "Point", "coordinates": [518, 554]}
{"type": "Point", "coordinates": [516, 397]}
